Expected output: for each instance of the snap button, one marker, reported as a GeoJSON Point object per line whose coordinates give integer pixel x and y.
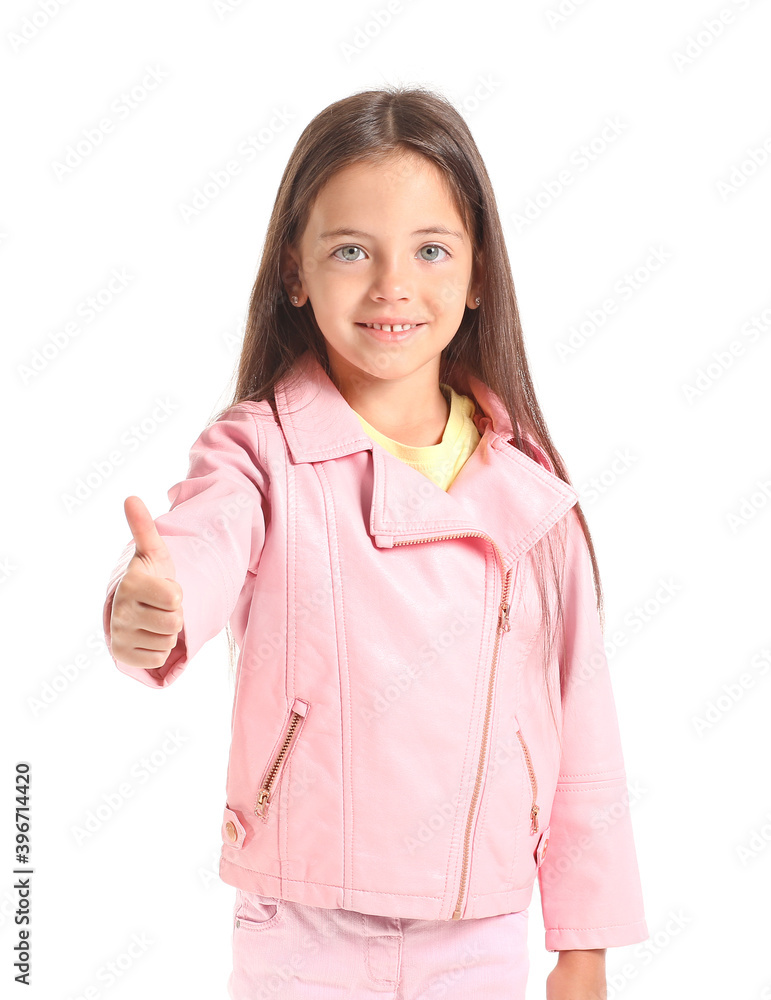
{"type": "Point", "coordinates": [232, 829]}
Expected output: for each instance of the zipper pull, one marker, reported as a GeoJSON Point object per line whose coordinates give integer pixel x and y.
{"type": "Point", "coordinates": [534, 819]}
{"type": "Point", "coordinates": [503, 618]}
{"type": "Point", "coordinates": [263, 801]}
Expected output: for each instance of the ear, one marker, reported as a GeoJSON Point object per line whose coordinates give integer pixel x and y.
{"type": "Point", "coordinates": [475, 285]}
{"type": "Point", "coordinates": [290, 275]}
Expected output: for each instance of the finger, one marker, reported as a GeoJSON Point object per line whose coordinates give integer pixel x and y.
{"type": "Point", "coordinates": [155, 641]}
{"type": "Point", "coordinates": [148, 542]}
{"type": "Point", "coordinates": [152, 592]}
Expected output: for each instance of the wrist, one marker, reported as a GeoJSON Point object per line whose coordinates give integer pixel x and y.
{"type": "Point", "coordinates": [578, 975]}
{"type": "Point", "coordinates": [586, 955]}
{"type": "Point", "coordinates": [588, 964]}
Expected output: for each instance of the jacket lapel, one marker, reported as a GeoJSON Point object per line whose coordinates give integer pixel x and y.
{"type": "Point", "coordinates": [499, 491]}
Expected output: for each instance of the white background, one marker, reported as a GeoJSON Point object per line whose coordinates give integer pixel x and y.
{"type": "Point", "coordinates": [687, 505]}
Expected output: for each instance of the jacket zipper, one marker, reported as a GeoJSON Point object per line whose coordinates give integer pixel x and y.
{"type": "Point", "coordinates": [503, 626]}
{"type": "Point", "coordinates": [533, 784]}
{"type": "Point", "coordinates": [296, 718]}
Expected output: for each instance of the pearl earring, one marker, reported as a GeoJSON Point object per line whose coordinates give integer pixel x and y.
{"type": "Point", "coordinates": [294, 299]}
{"type": "Point", "coordinates": [478, 300]}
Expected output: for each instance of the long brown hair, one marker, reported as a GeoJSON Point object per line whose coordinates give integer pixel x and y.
{"type": "Point", "coordinates": [384, 125]}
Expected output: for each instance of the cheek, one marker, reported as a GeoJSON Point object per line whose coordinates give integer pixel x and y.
{"type": "Point", "coordinates": [333, 281]}
{"type": "Point", "coordinates": [449, 291]}
{"type": "Point", "coordinates": [314, 267]}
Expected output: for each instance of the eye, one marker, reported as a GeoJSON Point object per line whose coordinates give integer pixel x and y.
{"type": "Point", "coordinates": [434, 246]}
{"type": "Point", "coordinates": [355, 249]}
{"type": "Point", "coordinates": [349, 247]}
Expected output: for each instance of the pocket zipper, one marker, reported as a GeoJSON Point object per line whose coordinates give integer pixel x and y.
{"type": "Point", "coordinates": [533, 783]}
{"type": "Point", "coordinates": [296, 719]}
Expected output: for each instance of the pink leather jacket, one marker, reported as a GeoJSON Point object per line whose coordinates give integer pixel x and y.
{"type": "Point", "coordinates": [392, 747]}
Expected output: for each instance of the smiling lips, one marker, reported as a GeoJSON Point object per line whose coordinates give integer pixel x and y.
{"type": "Point", "coordinates": [391, 327]}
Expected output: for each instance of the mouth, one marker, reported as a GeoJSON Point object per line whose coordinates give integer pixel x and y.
{"type": "Point", "coordinates": [383, 332]}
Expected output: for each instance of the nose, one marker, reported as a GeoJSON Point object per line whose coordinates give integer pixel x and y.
{"type": "Point", "coordinates": [390, 281]}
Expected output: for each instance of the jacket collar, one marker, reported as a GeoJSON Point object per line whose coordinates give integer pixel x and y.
{"type": "Point", "coordinates": [500, 491]}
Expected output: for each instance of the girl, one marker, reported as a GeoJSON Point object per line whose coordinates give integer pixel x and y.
{"type": "Point", "coordinates": [422, 703]}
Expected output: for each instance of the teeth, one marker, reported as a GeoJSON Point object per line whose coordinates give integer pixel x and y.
{"type": "Point", "coordinates": [391, 329]}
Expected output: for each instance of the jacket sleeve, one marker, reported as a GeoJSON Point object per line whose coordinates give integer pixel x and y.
{"type": "Point", "coordinates": [591, 895]}
{"type": "Point", "coordinates": [214, 531]}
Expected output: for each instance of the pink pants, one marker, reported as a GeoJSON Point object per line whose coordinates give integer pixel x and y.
{"type": "Point", "coordinates": [291, 951]}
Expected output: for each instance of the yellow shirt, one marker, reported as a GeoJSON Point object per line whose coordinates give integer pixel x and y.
{"type": "Point", "coordinates": [439, 462]}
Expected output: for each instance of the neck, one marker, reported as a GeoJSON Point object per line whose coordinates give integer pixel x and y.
{"type": "Point", "coordinates": [412, 411]}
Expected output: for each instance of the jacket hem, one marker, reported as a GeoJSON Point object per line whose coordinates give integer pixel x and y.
{"type": "Point", "coordinates": [612, 936]}
{"type": "Point", "coordinates": [385, 904]}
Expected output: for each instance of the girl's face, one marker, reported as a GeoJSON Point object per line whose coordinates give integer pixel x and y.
{"type": "Point", "coordinates": [385, 242]}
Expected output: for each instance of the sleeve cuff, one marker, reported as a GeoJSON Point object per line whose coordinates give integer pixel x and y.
{"type": "Point", "coordinates": [579, 938]}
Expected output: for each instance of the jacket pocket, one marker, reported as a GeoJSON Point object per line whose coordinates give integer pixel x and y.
{"type": "Point", "coordinates": [272, 774]}
{"type": "Point", "coordinates": [533, 783]}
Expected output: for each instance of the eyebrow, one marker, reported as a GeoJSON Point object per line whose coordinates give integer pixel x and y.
{"type": "Point", "coordinates": [329, 234]}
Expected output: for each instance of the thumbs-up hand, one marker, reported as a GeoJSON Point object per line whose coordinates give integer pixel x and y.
{"type": "Point", "coordinates": [146, 615]}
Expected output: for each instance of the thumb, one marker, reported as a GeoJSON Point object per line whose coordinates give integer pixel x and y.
{"type": "Point", "coordinates": [148, 542]}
